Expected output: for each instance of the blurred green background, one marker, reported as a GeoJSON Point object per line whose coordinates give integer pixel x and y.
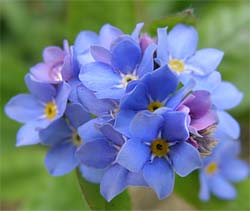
{"type": "Point", "coordinates": [28, 26]}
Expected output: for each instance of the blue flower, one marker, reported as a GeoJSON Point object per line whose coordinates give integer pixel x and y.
{"type": "Point", "coordinates": [63, 138]}
{"type": "Point", "coordinates": [177, 49]}
{"type": "Point", "coordinates": [221, 168]}
{"type": "Point", "coordinates": [123, 63]}
{"type": "Point", "coordinates": [37, 110]}
{"type": "Point", "coordinates": [157, 147]}
{"type": "Point", "coordinates": [98, 157]}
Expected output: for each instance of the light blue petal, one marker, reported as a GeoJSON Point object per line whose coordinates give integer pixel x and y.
{"type": "Point", "coordinates": [147, 63]}
{"type": "Point", "coordinates": [98, 76]}
{"type": "Point", "coordinates": [204, 193]}
{"type": "Point", "coordinates": [162, 46]}
{"type": "Point", "coordinates": [133, 155]}
{"type": "Point", "coordinates": [205, 60]}
{"type": "Point", "coordinates": [58, 131]}
{"type": "Point", "coordinates": [96, 154]}
{"type": "Point", "coordinates": [77, 115]}
{"type": "Point", "coordinates": [136, 32]}
{"type": "Point", "coordinates": [108, 34]}
{"type": "Point", "coordinates": [60, 159]}
{"type": "Point", "coordinates": [185, 158]}
{"type": "Point", "coordinates": [44, 92]}
{"type": "Point", "coordinates": [111, 134]}
{"type": "Point", "coordinates": [113, 182]}
{"type": "Point", "coordinates": [228, 125]}
{"type": "Point", "coordinates": [83, 41]}
{"type": "Point", "coordinates": [24, 108]}
{"type": "Point", "coordinates": [92, 174]}
{"type": "Point", "coordinates": [226, 96]}
{"type": "Point", "coordinates": [234, 170]}
{"type": "Point", "coordinates": [161, 83]}
{"type": "Point", "coordinates": [114, 93]}
{"type": "Point", "coordinates": [182, 41]}
{"type": "Point", "coordinates": [90, 131]}
{"type": "Point", "coordinates": [101, 54]}
{"type": "Point", "coordinates": [221, 188]}
{"type": "Point", "coordinates": [175, 127]}
{"type": "Point", "coordinates": [160, 176]}
{"type": "Point", "coordinates": [126, 55]}
{"type": "Point", "coordinates": [146, 126]}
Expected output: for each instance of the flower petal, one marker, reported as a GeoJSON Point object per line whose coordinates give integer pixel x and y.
{"type": "Point", "coordinates": [92, 174]}
{"type": "Point", "coordinates": [205, 60]}
{"type": "Point", "coordinates": [97, 154]}
{"type": "Point", "coordinates": [226, 96]}
{"type": "Point", "coordinates": [204, 193]}
{"type": "Point", "coordinates": [146, 126]}
{"type": "Point", "coordinates": [24, 108]}
{"type": "Point", "coordinates": [185, 158]}
{"type": "Point", "coordinates": [133, 155]}
{"type": "Point", "coordinates": [126, 55]}
{"type": "Point", "coordinates": [41, 73]}
{"type": "Point", "coordinates": [136, 32]}
{"type": "Point", "coordinates": [111, 134]}
{"type": "Point", "coordinates": [113, 182]}
{"type": "Point", "coordinates": [221, 188]}
{"type": "Point", "coordinates": [61, 159]}
{"type": "Point", "coordinates": [182, 41]}
{"type": "Point", "coordinates": [160, 176]}
{"type": "Point", "coordinates": [162, 46]}
{"type": "Point", "coordinates": [53, 54]}
{"type": "Point", "coordinates": [175, 126]}
{"type": "Point", "coordinates": [100, 54]}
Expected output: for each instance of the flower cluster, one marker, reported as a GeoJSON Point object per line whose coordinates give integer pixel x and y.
{"type": "Point", "coordinates": [132, 110]}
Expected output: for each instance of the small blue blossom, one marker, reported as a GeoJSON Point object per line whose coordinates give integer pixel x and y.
{"type": "Point", "coordinates": [221, 168]}
{"type": "Point", "coordinates": [37, 110]}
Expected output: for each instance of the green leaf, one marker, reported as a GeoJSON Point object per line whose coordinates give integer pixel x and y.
{"type": "Point", "coordinates": [188, 189]}
{"type": "Point", "coordinates": [91, 194]}
{"type": "Point", "coordinates": [186, 17]}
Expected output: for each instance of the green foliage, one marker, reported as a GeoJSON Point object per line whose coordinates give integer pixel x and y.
{"type": "Point", "coordinates": [91, 194]}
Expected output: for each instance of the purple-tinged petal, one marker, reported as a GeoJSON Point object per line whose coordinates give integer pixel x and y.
{"type": "Point", "coordinates": [74, 84]}
{"type": "Point", "coordinates": [123, 120]}
{"type": "Point", "coordinates": [108, 34]}
{"type": "Point", "coordinates": [146, 126]}
{"type": "Point", "coordinates": [205, 60]}
{"type": "Point", "coordinates": [221, 188]}
{"type": "Point", "coordinates": [24, 108]}
{"type": "Point", "coordinates": [98, 76]}
{"type": "Point", "coordinates": [228, 125]}
{"type": "Point", "coordinates": [234, 170]}
{"type": "Point", "coordinates": [160, 176]}
{"type": "Point", "coordinates": [58, 131]}
{"type": "Point", "coordinates": [77, 115]}
{"type": "Point", "coordinates": [147, 63]}
{"type": "Point", "coordinates": [84, 40]}
{"type": "Point", "coordinates": [133, 155]}
{"type": "Point", "coordinates": [182, 41]}
{"type": "Point", "coordinates": [113, 182]}
{"type": "Point", "coordinates": [28, 134]}
{"type": "Point", "coordinates": [136, 100]}
{"type": "Point", "coordinates": [125, 55]}
{"type": "Point", "coordinates": [97, 154]}
{"type": "Point", "coordinates": [67, 68]}
{"type": "Point", "coordinates": [62, 97]}
{"type": "Point", "coordinates": [41, 72]}
{"type": "Point", "coordinates": [162, 46]}
{"type": "Point", "coordinates": [136, 32]}
{"type": "Point", "coordinates": [44, 92]}
{"type": "Point", "coordinates": [161, 83]}
{"type": "Point", "coordinates": [204, 193]}
{"type": "Point", "coordinates": [92, 174]}
{"type": "Point", "coordinates": [61, 159]}
{"type": "Point", "coordinates": [111, 134]}
{"type": "Point", "coordinates": [205, 121]}
{"type": "Point", "coordinates": [53, 54]}
{"type": "Point", "coordinates": [226, 96]}
{"type": "Point", "coordinates": [175, 126]}
{"type": "Point", "coordinates": [185, 158]}
{"type": "Point", "coordinates": [83, 59]}
{"type": "Point", "coordinates": [89, 131]}
{"type": "Point", "coordinates": [100, 54]}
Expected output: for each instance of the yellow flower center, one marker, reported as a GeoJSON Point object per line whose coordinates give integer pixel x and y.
{"type": "Point", "coordinates": [211, 168]}
{"type": "Point", "coordinates": [77, 139]}
{"type": "Point", "coordinates": [159, 147]}
{"type": "Point", "coordinates": [176, 65]}
{"type": "Point", "coordinates": [154, 105]}
{"type": "Point", "coordinates": [50, 110]}
{"type": "Point", "coordinates": [127, 78]}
